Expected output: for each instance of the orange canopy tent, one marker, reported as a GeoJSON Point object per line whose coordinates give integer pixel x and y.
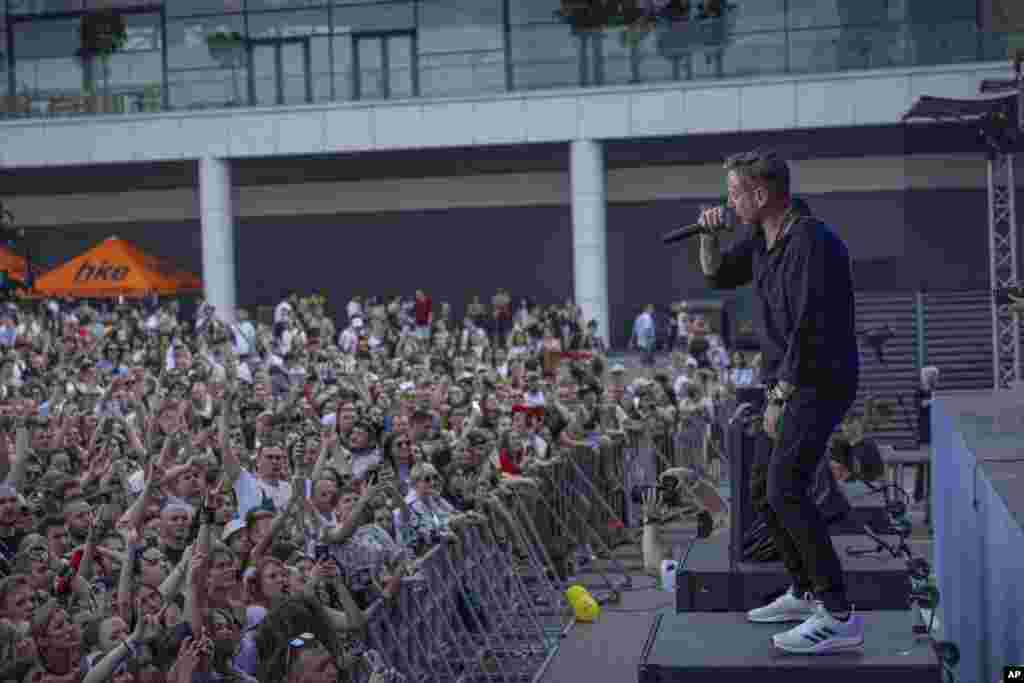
{"type": "Point", "coordinates": [115, 268]}
{"type": "Point", "coordinates": [16, 266]}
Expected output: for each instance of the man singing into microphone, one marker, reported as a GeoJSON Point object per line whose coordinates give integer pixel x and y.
{"type": "Point", "coordinates": [803, 277]}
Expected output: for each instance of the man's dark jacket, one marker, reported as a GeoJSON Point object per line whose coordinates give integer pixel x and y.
{"type": "Point", "coordinates": [804, 286]}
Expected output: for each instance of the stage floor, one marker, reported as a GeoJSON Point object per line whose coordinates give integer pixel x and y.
{"type": "Point", "coordinates": [705, 647]}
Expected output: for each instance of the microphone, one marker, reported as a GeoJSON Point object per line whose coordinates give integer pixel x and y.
{"type": "Point", "coordinates": [688, 231]}
{"type": "Point", "coordinates": [683, 233]}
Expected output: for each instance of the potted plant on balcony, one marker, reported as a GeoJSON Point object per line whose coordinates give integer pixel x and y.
{"type": "Point", "coordinates": [228, 48]}
{"type": "Point", "coordinates": [101, 34]}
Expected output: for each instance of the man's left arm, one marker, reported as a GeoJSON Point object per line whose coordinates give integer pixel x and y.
{"type": "Point", "coordinates": [806, 290]}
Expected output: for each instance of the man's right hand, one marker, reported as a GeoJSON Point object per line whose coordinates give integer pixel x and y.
{"type": "Point", "coordinates": [713, 220]}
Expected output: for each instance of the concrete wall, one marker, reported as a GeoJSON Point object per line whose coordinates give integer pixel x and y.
{"type": "Point", "coordinates": [752, 104]}
{"type": "Point", "coordinates": [899, 238]}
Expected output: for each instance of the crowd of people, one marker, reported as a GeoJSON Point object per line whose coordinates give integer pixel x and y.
{"type": "Point", "coordinates": [219, 498]}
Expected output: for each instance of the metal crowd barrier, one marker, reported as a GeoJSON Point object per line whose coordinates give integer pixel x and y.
{"type": "Point", "coordinates": [492, 608]}
{"type": "Point", "coordinates": [469, 617]}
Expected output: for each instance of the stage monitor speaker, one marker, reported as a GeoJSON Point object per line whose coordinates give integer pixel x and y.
{"type": "Point", "coordinates": [745, 446]}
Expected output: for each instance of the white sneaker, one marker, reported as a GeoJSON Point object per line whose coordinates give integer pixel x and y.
{"type": "Point", "coordinates": [787, 607]}
{"type": "Point", "coordinates": [823, 634]}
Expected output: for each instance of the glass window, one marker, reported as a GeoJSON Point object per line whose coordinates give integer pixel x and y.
{"type": "Point", "coordinates": [813, 51]}
{"type": "Point", "coordinates": [143, 31]}
{"type": "Point", "coordinates": [946, 43]}
{"type": "Point", "coordinates": [45, 6]}
{"type": "Point", "coordinates": [4, 84]}
{"type": "Point", "coordinates": [385, 67]}
{"type": "Point", "coordinates": [754, 53]}
{"type": "Point", "coordinates": [46, 39]}
{"type": "Point", "coordinates": [533, 12]}
{"type": "Point", "coordinates": [283, 4]}
{"type": "Point", "coordinates": [140, 65]}
{"type": "Point", "coordinates": [344, 84]}
{"type": "Point", "coordinates": [289, 24]}
{"type": "Point", "coordinates": [264, 75]}
{"type": "Point", "coordinates": [186, 40]}
{"type": "Point", "coordinates": [544, 56]}
{"type": "Point", "coordinates": [889, 46]}
{"type": "Point", "coordinates": [372, 78]}
{"type": "Point", "coordinates": [47, 71]}
{"type": "Point", "coordinates": [394, 16]}
{"type": "Point", "coordinates": [818, 14]}
{"type": "Point", "coordinates": [218, 75]}
{"type": "Point", "coordinates": [651, 66]}
{"type": "Point", "coordinates": [320, 62]}
{"type": "Point", "coordinates": [187, 8]}
{"type": "Point", "coordinates": [459, 25]}
{"type": "Point", "coordinates": [462, 73]}
{"type": "Point", "coordinates": [550, 43]}
{"type": "Point", "coordinates": [856, 48]}
{"type": "Point", "coordinates": [681, 39]}
{"type": "Point", "coordinates": [618, 67]}
{"type": "Point", "coordinates": [994, 47]}
{"type": "Point", "coordinates": [928, 11]}
{"type": "Point", "coordinates": [750, 16]}
{"type": "Point", "coordinates": [294, 74]}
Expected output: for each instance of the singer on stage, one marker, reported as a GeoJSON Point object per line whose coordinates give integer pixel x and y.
{"type": "Point", "coordinates": [802, 274]}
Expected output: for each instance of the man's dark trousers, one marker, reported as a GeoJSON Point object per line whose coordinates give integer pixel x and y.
{"type": "Point", "coordinates": [799, 530]}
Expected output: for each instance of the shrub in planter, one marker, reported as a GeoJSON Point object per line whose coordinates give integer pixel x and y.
{"type": "Point", "coordinates": [226, 48]}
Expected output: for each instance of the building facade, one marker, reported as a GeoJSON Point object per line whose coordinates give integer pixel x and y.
{"type": "Point", "coordinates": [446, 143]}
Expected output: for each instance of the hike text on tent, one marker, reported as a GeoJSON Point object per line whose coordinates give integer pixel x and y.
{"type": "Point", "coordinates": [104, 272]}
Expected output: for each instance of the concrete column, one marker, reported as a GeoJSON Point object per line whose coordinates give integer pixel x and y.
{"type": "Point", "coordinates": [589, 232]}
{"type": "Point", "coordinates": [218, 220]}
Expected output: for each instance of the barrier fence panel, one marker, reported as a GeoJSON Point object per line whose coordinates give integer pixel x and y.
{"type": "Point", "coordinates": [491, 606]}
{"type": "Point", "coordinates": [688, 443]}
{"type": "Point", "coordinates": [641, 470]}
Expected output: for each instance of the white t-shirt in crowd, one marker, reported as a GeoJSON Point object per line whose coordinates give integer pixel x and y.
{"type": "Point", "coordinates": [682, 381]}
{"type": "Point", "coordinates": [282, 312]}
{"type": "Point", "coordinates": [245, 337]}
{"type": "Point", "coordinates": [363, 462]}
{"type": "Point", "coordinates": [348, 340]}
{"type": "Point", "coordinates": [742, 377]}
{"type": "Point", "coordinates": [249, 490]}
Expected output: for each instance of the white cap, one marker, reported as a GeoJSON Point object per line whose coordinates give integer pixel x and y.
{"type": "Point", "coordinates": [618, 368]}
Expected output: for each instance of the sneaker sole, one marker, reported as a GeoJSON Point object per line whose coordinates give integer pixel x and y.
{"type": "Point", "coordinates": [784, 618]}
{"type": "Point", "coordinates": [827, 648]}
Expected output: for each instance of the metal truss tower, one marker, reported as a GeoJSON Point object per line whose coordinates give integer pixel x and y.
{"type": "Point", "coordinates": [1000, 124]}
{"type": "Point", "coordinates": [1002, 238]}
{"type": "Point", "coordinates": [1004, 271]}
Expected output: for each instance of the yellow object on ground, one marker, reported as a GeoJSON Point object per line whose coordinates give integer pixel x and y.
{"type": "Point", "coordinates": [583, 603]}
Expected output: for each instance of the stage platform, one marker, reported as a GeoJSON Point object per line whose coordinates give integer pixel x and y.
{"type": "Point", "coordinates": [870, 511]}
{"type": "Point", "coordinates": [978, 515]}
{"type": "Point", "coordinates": [711, 583]}
{"type": "Point", "coordinates": [700, 647]}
